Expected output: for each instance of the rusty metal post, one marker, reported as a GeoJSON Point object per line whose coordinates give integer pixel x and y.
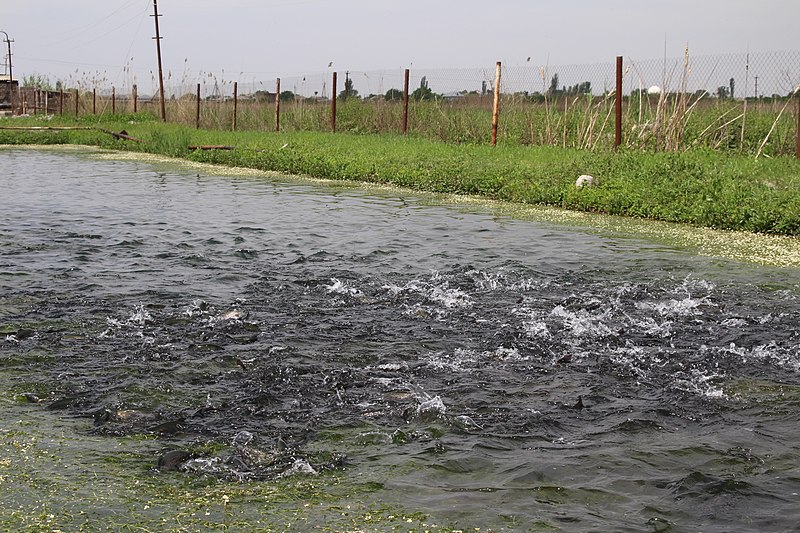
{"type": "Point", "coordinates": [333, 105]}
{"type": "Point", "coordinates": [113, 100]}
{"type": "Point", "coordinates": [235, 102]}
{"type": "Point", "coordinates": [405, 101]}
{"type": "Point", "coordinates": [618, 106]}
{"type": "Point", "coordinates": [496, 106]}
{"type": "Point", "coordinates": [94, 101]}
{"type": "Point", "coordinates": [135, 98]}
{"type": "Point", "coordinates": [61, 102]}
{"type": "Point", "coordinates": [77, 103]}
{"type": "Point", "coordinates": [197, 109]}
{"type": "Point", "coordinates": [798, 125]}
{"type": "Point", "coordinates": [160, 70]}
{"type": "Point", "coordinates": [277, 105]}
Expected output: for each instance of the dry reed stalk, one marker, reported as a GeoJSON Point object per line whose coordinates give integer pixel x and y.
{"type": "Point", "coordinates": [744, 110]}
{"type": "Point", "coordinates": [775, 123]}
{"type": "Point", "coordinates": [548, 132]}
{"type": "Point", "coordinates": [708, 128]}
{"type": "Point", "coordinates": [722, 127]}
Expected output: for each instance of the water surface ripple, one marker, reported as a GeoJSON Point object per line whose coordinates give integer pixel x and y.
{"type": "Point", "coordinates": [485, 370]}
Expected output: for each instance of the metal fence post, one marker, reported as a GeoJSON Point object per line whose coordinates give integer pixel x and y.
{"type": "Point", "coordinates": [94, 101]}
{"type": "Point", "coordinates": [496, 106]}
{"type": "Point", "coordinates": [618, 106]}
{"type": "Point", "coordinates": [61, 102]}
{"type": "Point", "coordinates": [333, 106]}
{"type": "Point", "coordinates": [277, 105]}
{"type": "Point", "coordinates": [77, 101]}
{"type": "Point", "coordinates": [113, 100]}
{"type": "Point", "coordinates": [197, 109]}
{"type": "Point", "coordinates": [135, 98]}
{"type": "Point", "coordinates": [405, 101]}
{"type": "Point", "coordinates": [235, 102]}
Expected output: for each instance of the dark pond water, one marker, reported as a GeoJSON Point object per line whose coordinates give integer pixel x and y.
{"type": "Point", "coordinates": [486, 371]}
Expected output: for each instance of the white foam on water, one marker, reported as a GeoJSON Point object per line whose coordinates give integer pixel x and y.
{"type": "Point", "coordinates": [450, 298]}
{"type": "Point", "coordinates": [733, 323]}
{"type": "Point", "coordinates": [140, 317]}
{"type": "Point", "coordinates": [438, 293]}
{"type": "Point", "coordinates": [685, 307]}
{"type": "Point", "coordinates": [197, 308]}
{"type": "Point", "coordinates": [132, 326]}
{"type": "Point", "coordinates": [392, 367]}
{"type": "Point", "coordinates": [343, 287]}
{"type": "Point", "coordinates": [701, 383]}
{"type": "Point", "coordinates": [631, 358]}
{"type": "Point", "coordinates": [582, 323]}
{"type": "Point", "coordinates": [691, 285]}
{"type": "Point", "coordinates": [460, 360]}
{"type": "Point", "coordinates": [487, 282]}
{"type": "Point", "coordinates": [650, 326]}
{"type": "Point", "coordinates": [770, 353]}
{"type": "Point", "coordinates": [536, 329]}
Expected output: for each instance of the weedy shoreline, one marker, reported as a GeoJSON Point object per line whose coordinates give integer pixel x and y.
{"type": "Point", "coordinates": [698, 187]}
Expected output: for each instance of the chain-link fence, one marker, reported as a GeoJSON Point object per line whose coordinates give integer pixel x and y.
{"type": "Point", "coordinates": [740, 102]}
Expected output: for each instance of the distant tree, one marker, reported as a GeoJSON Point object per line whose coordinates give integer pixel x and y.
{"type": "Point", "coordinates": [393, 94]}
{"type": "Point", "coordinates": [39, 81]}
{"type": "Point", "coordinates": [348, 91]}
{"type": "Point", "coordinates": [579, 88]}
{"type": "Point", "coordinates": [732, 84]}
{"type": "Point", "coordinates": [553, 89]}
{"type": "Point", "coordinates": [264, 96]}
{"type": "Point", "coordinates": [287, 96]}
{"type": "Point", "coordinates": [423, 92]}
{"type": "Point", "coordinates": [722, 92]}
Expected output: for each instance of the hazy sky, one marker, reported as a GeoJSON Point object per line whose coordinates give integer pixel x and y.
{"type": "Point", "coordinates": [263, 39]}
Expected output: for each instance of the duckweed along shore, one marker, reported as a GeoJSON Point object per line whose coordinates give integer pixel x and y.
{"type": "Point", "coordinates": [701, 187]}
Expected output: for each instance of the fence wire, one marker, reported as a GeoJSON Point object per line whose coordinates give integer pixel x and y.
{"type": "Point", "coordinates": [732, 101]}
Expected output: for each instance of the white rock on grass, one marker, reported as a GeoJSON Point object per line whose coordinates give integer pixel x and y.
{"type": "Point", "coordinates": [585, 180]}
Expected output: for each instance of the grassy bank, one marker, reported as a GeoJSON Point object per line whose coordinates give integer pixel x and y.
{"type": "Point", "coordinates": [698, 187]}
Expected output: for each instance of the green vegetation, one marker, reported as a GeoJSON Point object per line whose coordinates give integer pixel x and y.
{"type": "Point", "coordinates": [700, 187]}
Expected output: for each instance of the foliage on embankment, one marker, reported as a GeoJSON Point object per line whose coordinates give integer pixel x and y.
{"type": "Point", "coordinates": [698, 187]}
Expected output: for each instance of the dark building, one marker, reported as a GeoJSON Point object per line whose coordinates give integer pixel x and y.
{"type": "Point", "coordinates": [9, 96]}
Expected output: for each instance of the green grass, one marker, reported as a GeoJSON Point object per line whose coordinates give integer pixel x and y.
{"type": "Point", "coordinates": [700, 187]}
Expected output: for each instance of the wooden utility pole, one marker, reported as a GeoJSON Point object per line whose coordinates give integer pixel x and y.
{"type": "Point", "coordinates": [8, 40]}
{"type": "Point", "coordinates": [160, 69]}
{"type": "Point", "coordinates": [496, 107]}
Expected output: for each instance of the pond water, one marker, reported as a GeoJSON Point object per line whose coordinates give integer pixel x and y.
{"type": "Point", "coordinates": [481, 370]}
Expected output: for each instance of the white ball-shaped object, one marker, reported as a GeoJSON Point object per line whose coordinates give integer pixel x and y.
{"type": "Point", "coordinates": [585, 180]}
{"type": "Point", "coordinates": [655, 89]}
